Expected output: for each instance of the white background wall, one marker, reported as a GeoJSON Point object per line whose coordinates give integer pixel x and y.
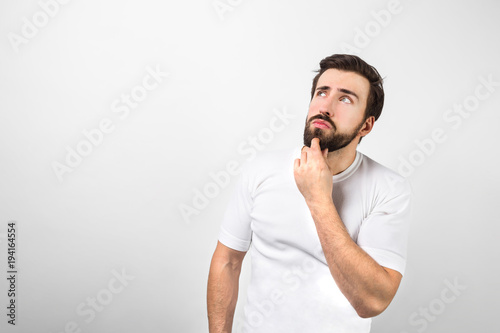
{"type": "Point", "coordinates": [118, 210]}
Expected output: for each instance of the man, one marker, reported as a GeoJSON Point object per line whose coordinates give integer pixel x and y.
{"type": "Point", "coordinates": [326, 225]}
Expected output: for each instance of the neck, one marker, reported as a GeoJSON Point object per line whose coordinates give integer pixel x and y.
{"type": "Point", "coordinates": [340, 160]}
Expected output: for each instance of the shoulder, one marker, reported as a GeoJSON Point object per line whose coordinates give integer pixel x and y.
{"type": "Point", "coordinates": [384, 178]}
{"type": "Point", "coordinates": [268, 165]}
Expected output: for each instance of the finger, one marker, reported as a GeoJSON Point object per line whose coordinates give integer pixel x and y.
{"type": "Point", "coordinates": [315, 144]}
{"type": "Point", "coordinates": [325, 153]}
{"type": "Point", "coordinates": [303, 156]}
{"type": "Point", "coordinates": [296, 163]}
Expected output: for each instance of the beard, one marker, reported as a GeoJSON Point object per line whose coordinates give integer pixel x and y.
{"type": "Point", "coordinates": [328, 138]}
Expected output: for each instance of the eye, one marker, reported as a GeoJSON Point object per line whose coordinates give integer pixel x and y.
{"type": "Point", "coordinates": [345, 99]}
{"type": "Point", "coordinates": [321, 93]}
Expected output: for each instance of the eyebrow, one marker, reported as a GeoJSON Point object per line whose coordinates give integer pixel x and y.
{"type": "Point", "coordinates": [343, 90]}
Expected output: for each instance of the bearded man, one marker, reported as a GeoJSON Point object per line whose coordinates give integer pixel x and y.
{"type": "Point", "coordinates": [326, 226]}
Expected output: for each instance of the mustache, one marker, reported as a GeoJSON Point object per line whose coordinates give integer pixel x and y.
{"type": "Point", "coordinates": [324, 118]}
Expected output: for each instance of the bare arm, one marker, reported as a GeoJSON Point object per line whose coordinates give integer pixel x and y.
{"type": "Point", "coordinates": [222, 290]}
{"type": "Point", "coordinates": [368, 286]}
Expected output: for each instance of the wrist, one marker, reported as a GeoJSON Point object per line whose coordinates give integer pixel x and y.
{"type": "Point", "coordinates": [319, 203]}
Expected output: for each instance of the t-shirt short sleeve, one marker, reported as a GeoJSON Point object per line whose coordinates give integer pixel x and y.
{"type": "Point", "coordinates": [235, 231]}
{"type": "Point", "coordinates": [384, 233]}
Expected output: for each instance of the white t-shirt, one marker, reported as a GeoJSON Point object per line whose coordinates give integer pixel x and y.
{"type": "Point", "coordinates": [291, 288]}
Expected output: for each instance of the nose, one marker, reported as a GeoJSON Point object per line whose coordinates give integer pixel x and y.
{"type": "Point", "coordinates": [325, 107]}
{"type": "Point", "coordinates": [325, 112]}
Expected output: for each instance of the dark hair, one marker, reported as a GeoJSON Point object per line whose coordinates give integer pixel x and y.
{"type": "Point", "coordinates": [352, 63]}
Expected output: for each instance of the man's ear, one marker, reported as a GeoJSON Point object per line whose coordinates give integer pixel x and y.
{"type": "Point", "coordinates": [367, 126]}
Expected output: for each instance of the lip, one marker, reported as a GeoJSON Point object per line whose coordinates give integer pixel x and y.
{"type": "Point", "coordinates": [321, 124]}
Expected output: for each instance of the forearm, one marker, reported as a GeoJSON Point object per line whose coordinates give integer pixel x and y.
{"type": "Point", "coordinates": [222, 294]}
{"type": "Point", "coordinates": [365, 283]}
